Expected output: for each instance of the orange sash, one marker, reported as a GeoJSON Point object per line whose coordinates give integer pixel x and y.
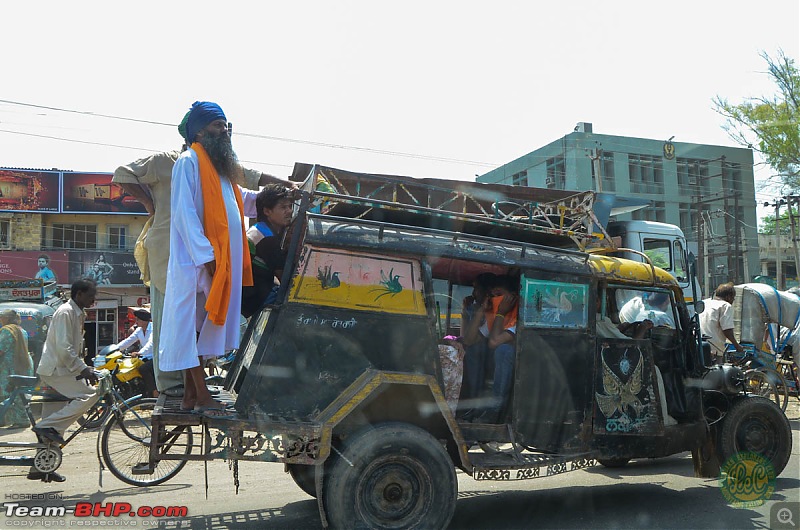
{"type": "Point", "coordinates": [215, 224]}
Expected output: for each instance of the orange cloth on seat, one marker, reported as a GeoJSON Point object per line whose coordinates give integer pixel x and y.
{"type": "Point", "coordinates": [215, 224]}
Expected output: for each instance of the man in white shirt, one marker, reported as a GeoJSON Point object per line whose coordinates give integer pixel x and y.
{"type": "Point", "coordinates": [62, 368]}
{"type": "Point", "coordinates": [143, 333]}
{"type": "Point", "coordinates": [716, 321]}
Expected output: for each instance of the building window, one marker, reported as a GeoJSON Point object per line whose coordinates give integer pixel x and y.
{"type": "Point", "coordinates": [5, 233]}
{"type": "Point", "coordinates": [646, 174]}
{"type": "Point", "coordinates": [692, 176]}
{"type": "Point", "coordinates": [656, 212]}
{"type": "Point", "coordinates": [116, 237]}
{"type": "Point", "coordinates": [609, 180]}
{"type": "Point", "coordinates": [556, 173]}
{"type": "Point", "coordinates": [520, 179]}
{"type": "Point", "coordinates": [74, 236]}
{"type": "Point", "coordinates": [731, 176]}
{"type": "Point", "coordinates": [688, 219]}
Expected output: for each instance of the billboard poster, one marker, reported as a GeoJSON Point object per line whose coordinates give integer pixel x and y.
{"type": "Point", "coordinates": [49, 265]}
{"type": "Point", "coordinates": [94, 193]}
{"type": "Point", "coordinates": [105, 268]}
{"type": "Point", "coordinates": [28, 191]}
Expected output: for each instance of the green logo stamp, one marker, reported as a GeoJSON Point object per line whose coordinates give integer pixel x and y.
{"type": "Point", "coordinates": [747, 479]}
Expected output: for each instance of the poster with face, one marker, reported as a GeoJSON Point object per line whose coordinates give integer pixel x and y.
{"type": "Point", "coordinates": [105, 268]}
{"type": "Point", "coordinates": [50, 266]}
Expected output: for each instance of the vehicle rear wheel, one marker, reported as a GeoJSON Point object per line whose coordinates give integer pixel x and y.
{"type": "Point", "coordinates": [125, 445]}
{"type": "Point", "coordinates": [614, 462]}
{"type": "Point", "coordinates": [758, 425]}
{"type": "Point", "coordinates": [303, 476]}
{"type": "Point", "coordinates": [392, 476]}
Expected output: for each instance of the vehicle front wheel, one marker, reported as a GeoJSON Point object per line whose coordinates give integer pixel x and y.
{"type": "Point", "coordinates": [758, 425]}
{"type": "Point", "coordinates": [392, 476]}
{"type": "Point", "coordinates": [303, 476]}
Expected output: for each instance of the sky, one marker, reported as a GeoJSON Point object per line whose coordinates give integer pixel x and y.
{"type": "Point", "coordinates": [447, 89]}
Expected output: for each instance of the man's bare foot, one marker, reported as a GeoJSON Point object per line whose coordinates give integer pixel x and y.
{"type": "Point", "coordinates": [209, 404]}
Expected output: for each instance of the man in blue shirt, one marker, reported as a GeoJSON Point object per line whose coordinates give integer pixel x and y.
{"type": "Point", "coordinates": [44, 270]}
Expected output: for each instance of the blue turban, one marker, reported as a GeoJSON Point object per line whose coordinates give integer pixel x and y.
{"type": "Point", "coordinates": [202, 113]}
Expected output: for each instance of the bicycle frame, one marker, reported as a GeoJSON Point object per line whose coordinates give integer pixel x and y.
{"type": "Point", "coordinates": [24, 393]}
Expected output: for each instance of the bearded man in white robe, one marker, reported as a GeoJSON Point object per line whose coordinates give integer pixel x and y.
{"type": "Point", "coordinates": [208, 260]}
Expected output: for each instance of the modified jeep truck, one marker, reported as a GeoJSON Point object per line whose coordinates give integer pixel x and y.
{"type": "Point", "coordinates": [349, 381]}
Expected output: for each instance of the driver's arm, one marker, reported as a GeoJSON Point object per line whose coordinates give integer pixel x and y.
{"type": "Point", "coordinates": [732, 339]}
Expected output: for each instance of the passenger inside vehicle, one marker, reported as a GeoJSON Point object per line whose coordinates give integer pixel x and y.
{"type": "Point", "coordinates": [607, 328]}
{"type": "Point", "coordinates": [496, 322]}
{"type": "Point", "coordinates": [639, 305]}
{"type": "Point", "coordinates": [651, 306]}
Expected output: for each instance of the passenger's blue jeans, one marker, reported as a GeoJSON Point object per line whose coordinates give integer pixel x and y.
{"type": "Point", "coordinates": [475, 369]}
{"type": "Point", "coordinates": [503, 375]}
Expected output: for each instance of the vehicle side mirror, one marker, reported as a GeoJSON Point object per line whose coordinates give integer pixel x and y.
{"type": "Point", "coordinates": [699, 306]}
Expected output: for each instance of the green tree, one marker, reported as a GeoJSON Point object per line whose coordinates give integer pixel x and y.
{"type": "Point", "coordinates": [770, 125]}
{"type": "Point", "coordinates": [768, 223]}
{"type": "Point", "coordinates": [658, 258]}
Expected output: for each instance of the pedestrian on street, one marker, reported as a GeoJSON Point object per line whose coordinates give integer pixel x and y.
{"type": "Point", "coordinates": [14, 359]}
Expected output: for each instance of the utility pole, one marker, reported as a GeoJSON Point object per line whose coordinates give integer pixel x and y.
{"type": "Point", "coordinates": [790, 200]}
{"type": "Point", "coordinates": [596, 156]}
{"type": "Point", "coordinates": [745, 265]}
{"type": "Point", "coordinates": [778, 249]}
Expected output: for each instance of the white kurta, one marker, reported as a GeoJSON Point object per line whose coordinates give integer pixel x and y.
{"type": "Point", "coordinates": [188, 283]}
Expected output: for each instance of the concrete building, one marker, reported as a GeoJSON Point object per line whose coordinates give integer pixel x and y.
{"type": "Point", "coordinates": [707, 190]}
{"type": "Point", "coordinates": [83, 227]}
{"type": "Point", "coordinates": [778, 251]}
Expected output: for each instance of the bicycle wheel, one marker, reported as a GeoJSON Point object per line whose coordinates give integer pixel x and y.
{"type": "Point", "coordinates": [125, 445]}
{"type": "Point", "coordinates": [789, 373]}
{"type": "Point", "coordinates": [777, 379]}
{"type": "Point", "coordinates": [757, 382]}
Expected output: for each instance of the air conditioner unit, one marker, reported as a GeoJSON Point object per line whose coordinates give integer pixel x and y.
{"type": "Point", "coordinates": [550, 181]}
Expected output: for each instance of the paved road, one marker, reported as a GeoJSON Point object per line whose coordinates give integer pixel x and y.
{"type": "Point", "coordinates": [646, 494]}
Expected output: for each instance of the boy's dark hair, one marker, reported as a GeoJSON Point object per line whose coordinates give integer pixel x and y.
{"type": "Point", "coordinates": [269, 196]}
{"type": "Point", "coordinates": [81, 286]}
{"type": "Point", "coordinates": [486, 280]}
{"type": "Point", "coordinates": [44, 257]}
{"type": "Point", "coordinates": [509, 283]}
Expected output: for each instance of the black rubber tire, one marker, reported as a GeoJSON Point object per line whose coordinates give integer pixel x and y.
{"type": "Point", "coordinates": [303, 476]}
{"type": "Point", "coordinates": [394, 475]}
{"type": "Point", "coordinates": [614, 462]}
{"type": "Point", "coordinates": [758, 425]}
{"type": "Point", "coordinates": [125, 442]}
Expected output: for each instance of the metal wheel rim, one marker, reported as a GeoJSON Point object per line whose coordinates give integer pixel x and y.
{"type": "Point", "coordinates": [757, 435]}
{"type": "Point", "coordinates": [394, 493]}
{"type": "Point", "coordinates": [47, 460]}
